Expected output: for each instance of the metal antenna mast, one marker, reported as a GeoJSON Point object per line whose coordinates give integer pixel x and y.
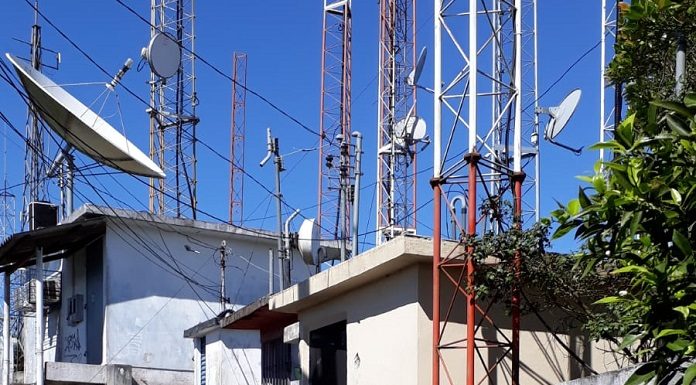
{"type": "Point", "coordinates": [34, 168]}
{"type": "Point", "coordinates": [335, 115]}
{"type": "Point", "coordinates": [237, 131]}
{"type": "Point", "coordinates": [7, 200]}
{"type": "Point", "coordinates": [485, 136]}
{"type": "Point", "coordinates": [173, 120]}
{"type": "Point", "coordinates": [609, 93]}
{"type": "Point", "coordinates": [396, 191]}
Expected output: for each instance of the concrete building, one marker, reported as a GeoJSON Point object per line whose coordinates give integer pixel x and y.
{"type": "Point", "coordinates": [367, 321]}
{"type": "Point", "coordinates": [128, 284]}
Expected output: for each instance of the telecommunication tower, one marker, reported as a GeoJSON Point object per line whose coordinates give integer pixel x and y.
{"type": "Point", "coordinates": [7, 201]}
{"type": "Point", "coordinates": [34, 166]}
{"type": "Point", "coordinates": [396, 153]}
{"type": "Point", "coordinates": [609, 93]}
{"type": "Point", "coordinates": [237, 131]}
{"type": "Point", "coordinates": [173, 119]}
{"type": "Point", "coordinates": [335, 116]}
{"type": "Point", "coordinates": [485, 139]}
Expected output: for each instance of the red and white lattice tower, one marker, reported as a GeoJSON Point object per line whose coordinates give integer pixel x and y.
{"type": "Point", "coordinates": [396, 185]}
{"type": "Point", "coordinates": [335, 115]}
{"type": "Point", "coordinates": [173, 120]}
{"type": "Point", "coordinates": [486, 159]}
{"type": "Point", "coordinates": [237, 130]}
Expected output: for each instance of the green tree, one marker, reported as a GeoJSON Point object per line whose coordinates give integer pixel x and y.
{"type": "Point", "coordinates": [637, 218]}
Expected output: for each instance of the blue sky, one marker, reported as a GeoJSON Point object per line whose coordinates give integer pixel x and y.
{"type": "Point", "coordinates": [283, 43]}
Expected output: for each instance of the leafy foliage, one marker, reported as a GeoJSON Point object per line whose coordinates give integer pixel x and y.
{"type": "Point", "coordinates": [641, 218]}
{"type": "Point", "coordinates": [645, 50]}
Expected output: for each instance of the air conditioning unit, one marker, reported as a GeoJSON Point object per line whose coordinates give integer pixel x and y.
{"type": "Point", "coordinates": [26, 294]}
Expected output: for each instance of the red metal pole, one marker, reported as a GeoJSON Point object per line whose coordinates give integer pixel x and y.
{"type": "Point", "coordinates": [437, 258]}
{"type": "Point", "coordinates": [470, 271]}
{"type": "Point", "coordinates": [517, 179]}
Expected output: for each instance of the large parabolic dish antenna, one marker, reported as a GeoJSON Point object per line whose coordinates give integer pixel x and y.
{"type": "Point", "coordinates": [81, 127]}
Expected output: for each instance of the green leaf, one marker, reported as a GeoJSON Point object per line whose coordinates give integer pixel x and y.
{"type": "Point", "coordinates": [642, 375]}
{"type": "Point", "coordinates": [684, 310]}
{"type": "Point", "coordinates": [669, 332]}
{"type": "Point", "coordinates": [631, 269]}
{"type": "Point", "coordinates": [582, 197]}
{"type": "Point", "coordinates": [672, 106]}
{"type": "Point", "coordinates": [676, 197]}
{"type": "Point", "coordinates": [682, 243]}
{"type": "Point", "coordinates": [607, 300]}
{"type": "Point", "coordinates": [690, 375]}
{"type": "Point", "coordinates": [690, 100]}
{"type": "Point", "coordinates": [678, 126]}
{"type": "Point", "coordinates": [574, 207]}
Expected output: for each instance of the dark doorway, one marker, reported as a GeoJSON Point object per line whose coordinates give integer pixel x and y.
{"type": "Point", "coordinates": [327, 355]}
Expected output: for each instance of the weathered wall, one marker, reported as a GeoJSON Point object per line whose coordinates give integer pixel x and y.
{"type": "Point", "coordinates": [381, 330]}
{"type": "Point", "coordinates": [233, 358]}
{"type": "Point", "coordinates": [149, 306]}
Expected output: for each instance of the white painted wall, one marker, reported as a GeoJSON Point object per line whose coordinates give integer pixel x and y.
{"type": "Point", "coordinates": [233, 358]}
{"type": "Point", "coordinates": [72, 344]}
{"type": "Point", "coordinates": [382, 330]}
{"type": "Point", "coordinates": [148, 308]}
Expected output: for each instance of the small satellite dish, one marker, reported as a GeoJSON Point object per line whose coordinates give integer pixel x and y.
{"type": "Point", "coordinates": [561, 114]}
{"type": "Point", "coordinates": [308, 241]}
{"type": "Point", "coordinates": [80, 126]}
{"type": "Point", "coordinates": [163, 54]}
{"type": "Point", "coordinates": [407, 132]}
{"type": "Point", "coordinates": [559, 119]}
{"type": "Point", "coordinates": [412, 78]}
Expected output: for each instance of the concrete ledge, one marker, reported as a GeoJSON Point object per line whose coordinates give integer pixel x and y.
{"type": "Point", "coordinates": [65, 373]}
{"type": "Point", "coordinates": [383, 260]}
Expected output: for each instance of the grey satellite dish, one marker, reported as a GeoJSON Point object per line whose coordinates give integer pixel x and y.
{"type": "Point", "coordinates": [412, 78]}
{"type": "Point", "coordinates": [163, 54]}
{"type": "Point", "coordinates": [81, 127]}
{"type": "Point", "coordinates": [308, 241]}
{"type": "Point", "coordinates": [560, 116]}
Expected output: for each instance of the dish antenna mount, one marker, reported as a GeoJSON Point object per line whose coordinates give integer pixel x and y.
{"type": "Point", "coordinates": [560, 116]}
{"type": "Point", "coordinates": [163, 54]}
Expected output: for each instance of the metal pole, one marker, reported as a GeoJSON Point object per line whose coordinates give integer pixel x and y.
{"type": "Point", "coordinates": [270, 271]}
{"type": "Point", "coordinates": [437, 258]}
{"type": "Point", "coordinates": [6, 331]}
{"type": "Point", "coordinates": [278, 161]}
{"type": "Point", "coordinates": [223, 299]}
{"type": "Point", "coordinates": [517, 179]}
{"type": "Point", "coordinates": [602, 80]}
{"type": "Point", "coordinates": [69, 159]}
{"type": "Point", "coordinates": [537, 160]}
{"type": "Point", "coordinates": [343, 173]}
{"type": "Point", "coordinates": [470, 271]}
{"type": "Point", "coordinates": [435, 182]}
{"type": "Point", "coordinates": [517, 140]}
{"type": "Point", "coordinates": [38, 294]}
{"type": "Point", "coordinates": [473, 72]}
{"type": "Point", "coordinates": [286, 249]}
{"type": "Point", "coordinates": [356, 191]}
{"type": "Point", "coordinates": [680, 66]}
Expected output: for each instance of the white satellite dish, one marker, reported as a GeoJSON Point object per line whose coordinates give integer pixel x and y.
{"type": "Point", "coordinates": [559, 118]}
{"type": "Point", "coordinates": [81, 127]}
{"type": "Point", "coordinates": [412, 78]}
{"type": "Point", "coordinates": [308, 241]}
{"type": "Point", "coordinates": [407, 131]}
{"type": "Point", "coordinates": [561, 114]}
{"type": "Point", "coordinates": [163, 54]}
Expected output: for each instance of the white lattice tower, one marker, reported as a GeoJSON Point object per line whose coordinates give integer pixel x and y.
{"type": "Point", "coordinates": [173, 120]}
{"type": "Point", "coordinates": [396, 165]}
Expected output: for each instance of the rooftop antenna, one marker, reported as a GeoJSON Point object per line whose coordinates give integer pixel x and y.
{"type": "Point", "coordinates": [335, 104]}
{"type": "Point", "coordinates": [399, 128]}
{"type": "Point", "coordinates": [237, 133]}
{"type": "Point", "coordinates": [273, 151]}
{"type": "Point", "coordinates": [171, 57]}
{"type": "Point", "coordinates": [81, 128]}
{"type": "Point", "coordinates": [7, 199]}
{"type": "Point", "coordinates": [560, 116]}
